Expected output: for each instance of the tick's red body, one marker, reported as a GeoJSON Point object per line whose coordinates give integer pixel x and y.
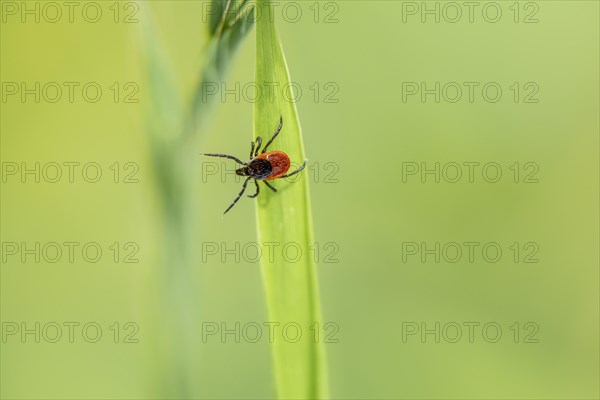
{"type": "Point", "coordinates": [280, 162]}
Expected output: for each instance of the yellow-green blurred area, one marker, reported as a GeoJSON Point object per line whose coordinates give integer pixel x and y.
{"type": "Point", "coordinates": [520, 324]}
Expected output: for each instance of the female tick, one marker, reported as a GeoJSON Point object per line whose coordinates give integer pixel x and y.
{"type": "Point", "coordinates": [266, 166]}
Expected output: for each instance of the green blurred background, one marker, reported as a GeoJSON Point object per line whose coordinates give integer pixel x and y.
{"type": "Point", "coordinates": [371, 293]}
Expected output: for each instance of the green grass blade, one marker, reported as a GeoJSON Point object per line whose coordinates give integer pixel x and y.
{"type": "Point", "coordinates": [224, 13]}
{"type": "Point", "coordinates": [227, 28]}
{"type": "Point", "coordinates": [171, 126]}
{"type": "Point", "coordinates": [163, 116]}
{"type": "Point", "coordinates": [285, 218]}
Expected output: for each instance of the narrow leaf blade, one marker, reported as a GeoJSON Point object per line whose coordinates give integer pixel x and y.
{"type": "Point", "coordinates": [284, 218]}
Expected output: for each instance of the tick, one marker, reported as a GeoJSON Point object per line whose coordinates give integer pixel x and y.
{"type": "Point", "coordinates": [266, 166]}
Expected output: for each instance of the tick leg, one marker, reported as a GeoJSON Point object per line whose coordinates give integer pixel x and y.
{"type": "Point", "coordinates": [295, 172]}
{"type": "Point", "coordinates": [274, 135]}
{"type": "Point", "coordinates": [252, 149]}
{"type": "Point", "coordinates": [270, 187]}
{"type": "Point", "coordinates": [238, 196]}
{"type": "Point", "coordinates": [258, 144]}
{"type": "Point", "coordinates": [225, 156]}
{"type": "Point", "coordinates": [257, 190]}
